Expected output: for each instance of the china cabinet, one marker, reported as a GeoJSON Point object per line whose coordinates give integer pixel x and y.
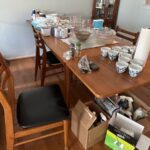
{"type": "Point", "coordinates": [107, 10]}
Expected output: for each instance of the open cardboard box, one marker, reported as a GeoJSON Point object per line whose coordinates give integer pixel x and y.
{"type": "Point", "coordinates": [119, 135]}
{"type": "Point", "coordinates": [139, 103]}
{"type": "Point", "coordinates": [82, 120]}
{"type": "Point", "coordinates": [136, 104]}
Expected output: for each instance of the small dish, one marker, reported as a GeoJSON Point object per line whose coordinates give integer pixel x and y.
{"type": "Point", "coordinates": [134, 70]}
{"type": "Point", "coordinates": [121, 66]}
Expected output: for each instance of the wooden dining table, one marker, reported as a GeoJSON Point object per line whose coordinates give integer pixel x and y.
{"type": "Point", "coordinates": [103, 82]}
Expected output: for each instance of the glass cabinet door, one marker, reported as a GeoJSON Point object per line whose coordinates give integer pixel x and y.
{"type": "Point", "coordinates": [107, 10]}
{"type": "Point", "coordinates": [104, 9]}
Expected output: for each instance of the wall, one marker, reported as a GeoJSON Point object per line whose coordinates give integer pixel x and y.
{"type": "Point", "coordinates": [133, 15]}
{"type": "Point", "coordinates": [16, 39]}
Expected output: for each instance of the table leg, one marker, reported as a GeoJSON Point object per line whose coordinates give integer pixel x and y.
{"type": "Point", "coordinates": [68, 77]}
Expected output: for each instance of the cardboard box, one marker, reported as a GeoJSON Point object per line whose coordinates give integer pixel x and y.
{"type": "Point", "coordinates": [138, 102]}
{"type": "Point", "coordinates": [125, 134]}
{"type": "Point", "coordinates": [82, 121]}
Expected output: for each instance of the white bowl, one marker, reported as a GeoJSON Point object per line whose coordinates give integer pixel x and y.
{"type": "Point", "coordinates": [121, 66]}
{"type": "Point", "coordinates": [134, 70]}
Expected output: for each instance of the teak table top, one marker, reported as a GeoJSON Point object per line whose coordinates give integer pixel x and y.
{"type": "Point", "coordinates": [104, 82]}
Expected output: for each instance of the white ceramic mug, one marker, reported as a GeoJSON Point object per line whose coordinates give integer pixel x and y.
{"type": "Point", "coordinates": [112, 54]}
{"type": "Point", "coordinates": [134, 70]}
{"type": "Point", "coordinates": [104, 51]}
{"type": "Point", "coordinates": [121, 66]}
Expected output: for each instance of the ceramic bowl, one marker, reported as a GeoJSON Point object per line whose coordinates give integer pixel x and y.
{"type": "Point", "coordinates": [121, 66]}
{"type": "Point", "coordinates": [134, 70]}
{"type": "Point", "coordinates": [104, 51]}
{"type": "Point", "coordinates": [112, 54]}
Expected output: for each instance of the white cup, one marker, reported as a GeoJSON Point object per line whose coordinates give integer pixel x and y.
{"type": "Point", "coordinates": [121, 66]}
{"type": "Point", "coordinates": [123, 58]}
{"type": "Point", "coordinates": [46, 31]}
{"type": "Point", "coordinates": [125, 55]}
{"type": "Point", "coordinates": [134, 70]}
{"type": "Point", "coordinates": [67, 55]}
{"type": "Point", "coordinates": [137, 61]}
{"type": "Point", "coordinates": [126, 47]}
{"type": "Point", "coordinates": [124, 50]}
{"type": "Point", "coordinates": [104, 51]}
{"type": "Point", "coordinates": [118, 48]}
{"type": "Point", "coordinates": [112, 54]}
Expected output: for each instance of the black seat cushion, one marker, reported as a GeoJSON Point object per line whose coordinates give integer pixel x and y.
{"type": "Point", "coordinates": [51, 58]}
{"type": "Point", "coordinates": [41, 106]}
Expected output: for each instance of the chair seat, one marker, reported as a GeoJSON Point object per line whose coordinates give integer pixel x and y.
{"type": "Point", "coordinates": [41, 106]}
{"type": "Point", "coordinates": [51, 58]}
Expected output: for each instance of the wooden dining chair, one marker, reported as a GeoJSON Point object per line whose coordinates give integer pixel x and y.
{"type": "Point", "coordinates": [128, 35]}
{"type": "Point", "coordinates": [39, 110]}
{"type": "Point", "coordinates": [47, 61]}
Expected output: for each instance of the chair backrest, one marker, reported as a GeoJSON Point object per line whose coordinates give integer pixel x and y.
{"type": "Point", "coordinates": [130, 36]}
{"type": "Point", "coordinates": [6, 81]}
{"type": "Point", "coordinates": [7, 97]}
{"type": "Point", "coordinates": [39, 44]}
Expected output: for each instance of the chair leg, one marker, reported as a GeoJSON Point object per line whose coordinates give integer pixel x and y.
{"type": "Point", "coordinates": [66, 127]}
{"type": "Point", "coordinates": [36, 63]}
{"type": "Point", "coordinates": [43, 75]}
{"type": "Point", "coordinates": [10, 144]}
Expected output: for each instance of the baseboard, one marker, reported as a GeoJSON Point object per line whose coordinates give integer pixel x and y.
{"type": "Point", "coordinates": [21, 57]}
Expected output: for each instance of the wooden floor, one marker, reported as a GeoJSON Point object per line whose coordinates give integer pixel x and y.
{"type": "Point", "coordinates": [23, 72]}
